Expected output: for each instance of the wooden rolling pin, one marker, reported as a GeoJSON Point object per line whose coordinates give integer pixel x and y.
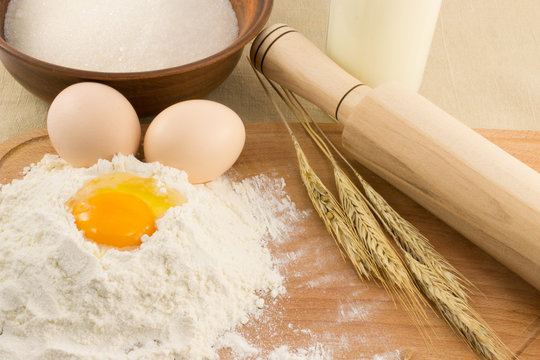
{"type": "Point", "coordinates": [487, 195]}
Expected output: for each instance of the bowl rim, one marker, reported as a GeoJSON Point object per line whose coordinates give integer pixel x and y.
{"type": "Point", "coordinates": [237, 45]}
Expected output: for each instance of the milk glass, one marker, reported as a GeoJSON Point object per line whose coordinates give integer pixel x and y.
{"type": "Point", "coordinates": [382, 40]}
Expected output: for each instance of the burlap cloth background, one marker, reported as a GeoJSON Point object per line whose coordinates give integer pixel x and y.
{"type": "Point", "coordinates": [483, 67]}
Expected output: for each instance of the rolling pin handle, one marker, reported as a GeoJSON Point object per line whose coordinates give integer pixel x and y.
{"type": "Point", "coordinates": [287, 57]}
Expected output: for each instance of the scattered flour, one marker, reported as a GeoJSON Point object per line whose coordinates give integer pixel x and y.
{"type": "Point", "coordinates": [240, 347]}
{"type": "Point", "coordinates": [390, 355]}
{"type": "Point", "coordinates": [202, 273]}
{"type": "Point", "coordinates": [316, 352]}
{"type": "Point", "coordinates": [324, 279]}
{"type": "Point", "coordinates": [265, 193]}
{"type": "Point", "coordinates": [120, 35]}
{"type": "Point", "coordinates": [353, 312]}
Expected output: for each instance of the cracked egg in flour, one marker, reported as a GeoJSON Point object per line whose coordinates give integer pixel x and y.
{"type": "Point", "coordinates": [118, 209]}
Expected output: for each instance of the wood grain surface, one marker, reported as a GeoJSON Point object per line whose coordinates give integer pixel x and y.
{"type": "Point", "coordinates": [325, 301]}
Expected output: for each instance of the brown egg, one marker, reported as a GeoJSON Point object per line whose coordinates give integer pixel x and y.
{"type": "Point", "coordinates": [91, 121]}
{"type": "Point", "coordinates": [201, 137]}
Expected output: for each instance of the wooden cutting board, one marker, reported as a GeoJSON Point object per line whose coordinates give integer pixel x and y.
{"type": "Point", "coordinates": [325, 302]}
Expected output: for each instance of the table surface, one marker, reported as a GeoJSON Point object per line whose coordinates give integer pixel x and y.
{"type": "Point", "coordinates": [483, 67]}
{"type": "Point", "coordinates": [326, 302]}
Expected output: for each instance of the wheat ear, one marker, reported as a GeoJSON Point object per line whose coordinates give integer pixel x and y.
{"type": "Point", "coordinates": [329, 209]}
{"type": "Point", "coordinates": [414, 243]}
{"type": "Point", "coordinates": [437, 279]}
{"type": "Point", "coordinates": [457, 312]}
{"type": "Point", "coordinates": [403, 232]}
{"type": "Point", "coordinates": [395, 277]}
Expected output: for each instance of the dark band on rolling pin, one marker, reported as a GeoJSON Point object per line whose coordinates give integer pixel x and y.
{"type": "Point", "coordinates": [263, 40]}
{"type": "Point", "coordinates": [344, 96]}
{"type": "Point", "coordinates": [269, 46]}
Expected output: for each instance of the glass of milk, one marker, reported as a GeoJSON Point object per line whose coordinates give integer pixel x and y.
{"type": "Point", "coordinates": [379, 41]}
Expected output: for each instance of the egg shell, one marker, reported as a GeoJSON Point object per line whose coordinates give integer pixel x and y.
{"type": "Point", "coordinates": [201, 137]}
{"type": "Point", "coordinates": [90, 121]}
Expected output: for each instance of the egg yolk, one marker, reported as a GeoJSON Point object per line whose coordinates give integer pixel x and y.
{"type": "Point", "coordinates": [117, 209]}
{"type": "Point", "coordinates": [114, 219]}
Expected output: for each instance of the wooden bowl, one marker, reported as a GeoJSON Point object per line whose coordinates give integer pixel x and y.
{"type": "Point", "coordinates": [149, 91]}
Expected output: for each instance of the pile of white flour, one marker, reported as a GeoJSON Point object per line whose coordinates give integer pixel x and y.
{"type": "Point", "coordinates": [202, 273]}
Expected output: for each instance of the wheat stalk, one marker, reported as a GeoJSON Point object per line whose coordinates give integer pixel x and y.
{"type": "Point", "coordinates": [414, 243]}
{"type": "Point", "coordinates": [395, 277]}
{"type": "Point", "coordinates": [403, 232]}
{"type": "Point", "coordinates": [329, 209]}
{"type": "Point", "coordinates": [335, 219]}
{"type": "Point", "coordinates": [457, 312]}
{"type": "Point", "coordinates": [433, 275]}
{"type": "Point", "coordinates": [438, 280]}
{"type": "Point", "coordinates": [392, 273]}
